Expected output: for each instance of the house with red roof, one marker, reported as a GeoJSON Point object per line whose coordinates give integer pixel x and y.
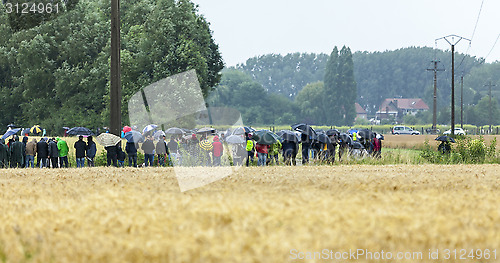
{"type": "Point", "coordinates": [398, 107]}
{"type": "Point", "coordinates": [360, 112]}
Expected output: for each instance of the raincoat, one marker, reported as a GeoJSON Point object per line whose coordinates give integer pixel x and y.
{"type": "Point", "coordinates": [63, 148]}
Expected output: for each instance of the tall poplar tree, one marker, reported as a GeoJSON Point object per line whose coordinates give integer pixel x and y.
{"type": "Point", "coordinates": [347, 85]}
{"type": "Point", "coordinates": [332, 95]}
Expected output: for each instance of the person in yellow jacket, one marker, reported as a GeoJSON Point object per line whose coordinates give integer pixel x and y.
{"type": "Point", "coordinates": [250, 148]}
{"type": "Point", "coordinates": [274, 152]}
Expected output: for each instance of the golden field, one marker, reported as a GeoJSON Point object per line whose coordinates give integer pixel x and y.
{"type": "Point", "coordinates": [254, 215]}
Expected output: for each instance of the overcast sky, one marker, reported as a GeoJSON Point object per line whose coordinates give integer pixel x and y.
{"type": "Point", "coordinates": [245, 29]}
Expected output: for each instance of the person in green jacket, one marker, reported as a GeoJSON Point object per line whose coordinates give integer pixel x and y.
{"type": "Point", "coordinates": [274, 152]}
{"type": "Point", "coordinates": [63, 148]}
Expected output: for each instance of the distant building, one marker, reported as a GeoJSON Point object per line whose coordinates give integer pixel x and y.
{"type": "Point", "coordinates": [360, 112]}
{"type": "Point", "coordinates": [397, 108]}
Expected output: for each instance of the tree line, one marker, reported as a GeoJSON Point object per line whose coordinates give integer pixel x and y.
{"type": "Point", "coordinates": [55, 72]}
{"type": "Point", "coordinates": [381, 75]}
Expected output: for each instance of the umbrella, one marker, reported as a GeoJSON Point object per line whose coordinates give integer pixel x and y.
{"type": "Point", "coordinates": [305, 129]}
{"type": "Point", "coordinates": [288, 136]}
{"type": "Point", "coordinates": [351, 131]}
{"type": "Point", "coordinates": [332, 132]}
{"type": "Point", "coordinates": [174, 131]}
{"type": "Point", "coordinates": [444, 138]}
{"type": "Point", "coordinates": [345, 138]}
{"type": "Point", "coordinates": [323, 138]}
{"type": "Point", "coordinates": [243, 130]}
{"type": "Point", "coordinates": [36, 129]}
{"type": "Point", "coordinates": [206, 145]}
{"type": "Point", "coordinates": [79, 131]}
{"type": "Point", "coordinates": [12, 126]}
{"type": "Point", "coordinates": [134, 136]}
{"type": "Point", "coordinates": [149, 128]}
{"type": "Point", "coordinates": [206, 130]}
{"type": "Point", "coordinates": [26, 131]}
{"type": "Point", "coordinates": [366, 134]}
{"type": "Point", "coordinates": [265, 137]}
{"type": "Point", "coordinates": [235, 139]}
{"type": "Point", "coordinates": [10, 133]}
{"type": "Point", "coordinates": [158, 134]}
{"type": "Point", "coordinates": [357, 145]}
{"type": "Point", "coordinates": [66, 128]}
{"type": "Point", "coordinates": [126, 129]}
{"type": "Point", "coordinates": [380, 136]}
{"type": "Point", "coordinates": [108, 139]}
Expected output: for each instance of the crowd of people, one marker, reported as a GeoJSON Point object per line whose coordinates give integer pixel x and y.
{"type": "Point", "coordinates": [206, 149]}
{"type": "Point", "coordinates": [49, 153]}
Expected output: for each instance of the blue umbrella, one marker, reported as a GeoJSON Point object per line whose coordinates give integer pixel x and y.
{"type": "Point", "coordinates": [134, 136]}
{"type": "Point", "coordinates": [10, 133]}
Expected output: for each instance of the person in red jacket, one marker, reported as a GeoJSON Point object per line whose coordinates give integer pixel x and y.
{"type": "Point", "coordinates": [217, 151]}
{"type": "Point", "coordinates": [262, 151]}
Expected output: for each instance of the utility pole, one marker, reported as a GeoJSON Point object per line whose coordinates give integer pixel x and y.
{"type": "Point", "coordinates": [462, 101]}
{"type": "Point", "coordinates": [115, 89]}
{"type": "Point", "coordinates": [453, 43]}
{"type": "Point", "coordinates": [434, 109]}
{"type": "Point", "coordinates": [489, 94]}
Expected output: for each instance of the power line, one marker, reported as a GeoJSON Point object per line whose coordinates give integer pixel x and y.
{"type": "Point", "coordinates": [494, 44]}
{"type": "Point", "coordinates": [473, 33]}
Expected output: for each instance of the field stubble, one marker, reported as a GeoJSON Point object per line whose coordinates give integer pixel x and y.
{"type": "Point", "coordinates": [255, 215]}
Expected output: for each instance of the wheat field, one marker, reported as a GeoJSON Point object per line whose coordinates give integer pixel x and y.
{"type": "Point", "coordinates": [255, 215]}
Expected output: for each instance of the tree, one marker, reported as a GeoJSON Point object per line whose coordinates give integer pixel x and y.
{"type": "Point", "coordinates": [340, 88]}
{"type": "Point", "coordinates": [310, 102]}
{"type": "Point", "coordinates": [57, 71]}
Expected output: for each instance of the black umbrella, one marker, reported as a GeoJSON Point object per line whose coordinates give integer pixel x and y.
{"type": "Point", "coordinates": [366, 134]}
{"type": "Point", "coordinates": [357, 145]}
{"type": "Point", "coordinates": [344, 138]}
{"type": "Point", "coordinates": [79, 131]}
{"type": "Point", "coordinates": [174, 131]}
{"type": "Point", "coordinates": [323, 138]}
{"type": "Point", "coordinates": [332, 132]}
{"type": "Point", "coordinates": [444, 138]}
{"type": "Point", "coordinates": [305, 129]}
{"type": "Point", "coordinates": [288, 136]}
{"type": "Point", "coordinates": [265, 137]}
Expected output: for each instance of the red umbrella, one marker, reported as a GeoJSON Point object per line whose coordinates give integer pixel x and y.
{"type": "Point", "coordinates": [126, 129]}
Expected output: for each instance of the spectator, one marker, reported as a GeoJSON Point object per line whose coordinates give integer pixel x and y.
{"type": "Point", "coordinates": [4, 154]}
{"type": "Point", "coordinates": [131, 150]}
{"type": "Point", "coordinates": [91, 151]}
{"type": "Point", "coordinates": [53, 153]}
{"type": "Point", "coordinates": [148, 147]}
{"type": "Point", "coordinates": [16, 153]}
{"type": "Point", "coordinates": [120, 155]}
{"type": "Point", "coordinates": [63, 148]}
{"type": "Point", "coordinates": [80, 148]}
{"type": "Point", "coordinates": [112, 155]}
{"type": "Point", "coordinates": [161, 151]}
{"type": "Point", "coordinates": [262, 151]}
{"type": "Point", "coordinates": [217, 151]}
{"type": "Point", "coordinates": [42, 153]}
{"type": "Point", "coordinates": [173, 148]}
{"type": "Point", "coordinates": [30, 153]}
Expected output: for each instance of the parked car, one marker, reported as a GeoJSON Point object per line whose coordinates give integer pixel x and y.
{"type": "Point", "coordinates": [458, 131]}
{"type": "Point", "coordinates": [397, 130]}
